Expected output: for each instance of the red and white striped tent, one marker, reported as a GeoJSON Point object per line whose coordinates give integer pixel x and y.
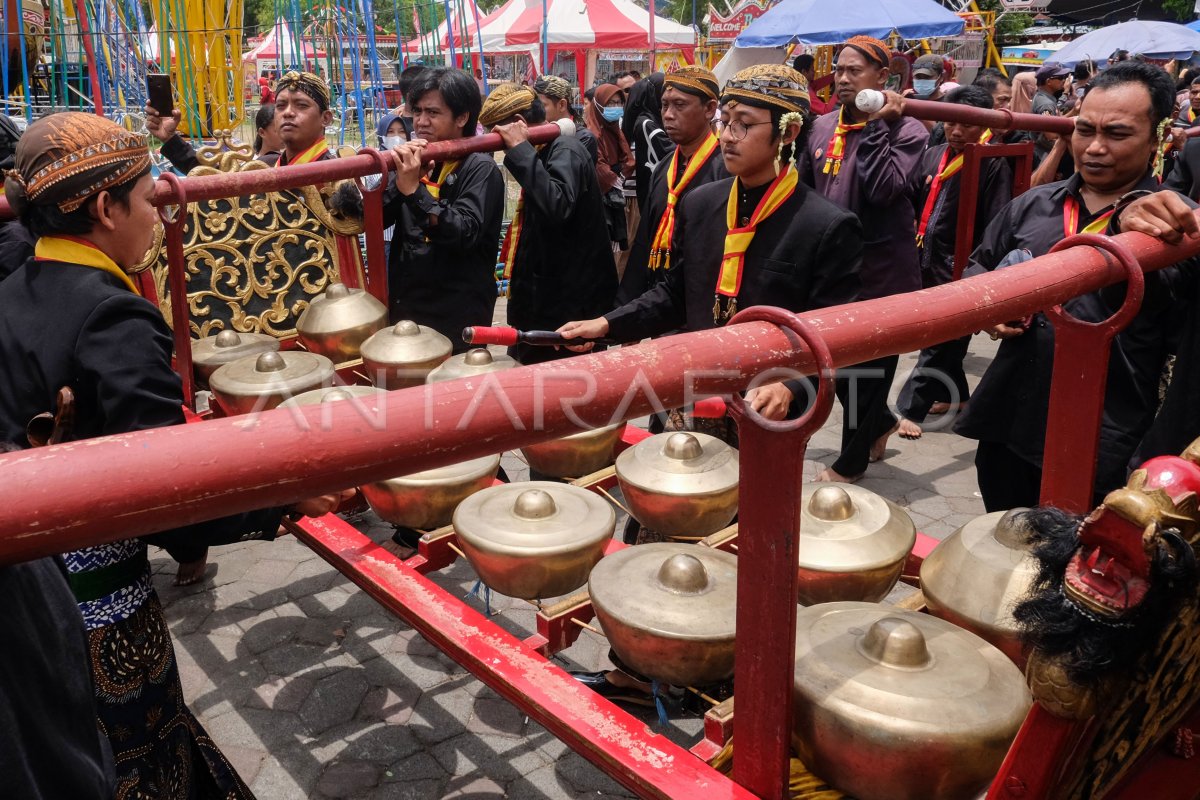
{"type": "Point", "coordinates": [464, 13]}
{"type": "Point", "coordinates": [573, 26]}
{"type": "Point", "coordinates": [279, 38]}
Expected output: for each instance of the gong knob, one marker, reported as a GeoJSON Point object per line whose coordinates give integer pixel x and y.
{"type": "Point", "coordinates": [227, 339]}
{"type": "Point", "coordinates": [1012, 530]}
{"type": "Point", "coordinates": [897, 643]}
{"type": "Point", "coordinates": [336, 291]}
{"type": "Point", "coordinates": [831, 503]}
{"type": "Point", "coordinates": [682, 447]}
{"type": "Point", "coordinates": [683, 574]}
{"type": "Point", "coordinates": [478, 357]}
{"type": "Point", "coordinates": [406, 327]}
{"type": "Point", "coordinates": [534, 504]}
{"type": "Point", "coordinates": [270, 362]}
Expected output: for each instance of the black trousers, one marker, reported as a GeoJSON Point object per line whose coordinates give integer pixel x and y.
{"type": "Point", "coordinates": [863, 392]}
{"type": "Point", "coordinates": [937, 378]}
{"type": "Point", "coordinates": [1005, 479]}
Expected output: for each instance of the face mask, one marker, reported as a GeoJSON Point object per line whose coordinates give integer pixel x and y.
{"type": "Point", "coordinates": [613, 113]}
{"type": "Point", "coordinates": [393, 141]}
{"type": "Point", "coordinates": [924, 87]}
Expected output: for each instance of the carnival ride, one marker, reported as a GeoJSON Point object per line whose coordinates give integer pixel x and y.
{"type": "Point", "coordinates": [95, 54]}
{"type": "Point", "coordinates": [1119, 747]}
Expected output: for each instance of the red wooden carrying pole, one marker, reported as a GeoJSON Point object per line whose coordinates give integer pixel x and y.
{"type": "Point", "coordinates": [233, 184]}
{"type": "Point", "coordinates": [996, 119]}
{"type": "Point", "coordinates": [49, 504]}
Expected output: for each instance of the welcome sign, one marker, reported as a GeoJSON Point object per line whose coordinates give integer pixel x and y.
{"type": "Point", "coordinates": [729, 27]}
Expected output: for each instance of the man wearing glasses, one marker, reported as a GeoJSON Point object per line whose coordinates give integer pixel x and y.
{"type": "Point", "coordinates": [864, 163]}
{"type": "Point", "coordinates": [759, 238]}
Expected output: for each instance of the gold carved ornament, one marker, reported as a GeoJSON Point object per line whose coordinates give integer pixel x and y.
{"type": "Point", "coordinates": [253, 263]}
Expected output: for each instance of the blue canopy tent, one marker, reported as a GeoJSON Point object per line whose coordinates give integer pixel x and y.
{"type": "Point", "coordinates": [1162, 40]}
{"type": "Point", "coordinates": [816, 22]}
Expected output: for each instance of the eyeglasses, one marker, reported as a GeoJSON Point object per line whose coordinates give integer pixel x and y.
{"type": "Point", "coordinates": [737, 130]}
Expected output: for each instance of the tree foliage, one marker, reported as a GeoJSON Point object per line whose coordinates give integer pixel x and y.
{"type": "Point", "coordinates": [1184, 10]}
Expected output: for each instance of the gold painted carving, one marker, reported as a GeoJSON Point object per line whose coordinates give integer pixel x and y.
{"type": "Point", "coordinates": [253, 263]}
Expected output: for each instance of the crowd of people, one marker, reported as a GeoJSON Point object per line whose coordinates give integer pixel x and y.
{"type": "Point", "coordinates": [678, 202]}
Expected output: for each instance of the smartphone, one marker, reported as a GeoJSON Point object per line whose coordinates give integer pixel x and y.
{"type": "Point", "coordinates": [158, 92]}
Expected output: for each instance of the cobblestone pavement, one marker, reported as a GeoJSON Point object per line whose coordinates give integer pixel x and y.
{"type": "Point", "coordinates": [313, 690]}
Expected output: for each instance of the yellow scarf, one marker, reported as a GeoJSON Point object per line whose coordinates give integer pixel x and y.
{"type": "Point", "coordinates": [945, 171]}
{"type": "Point", "coordinates": [836, 150]}
{"type": "Point", "coordinates": [737, 240]}
{"type": "Point", "coordinates": [319, 149]}
{"type": "Point", "coordinates": [70, 250]}
{"type": "Point", "coordinates": [434, 187]}
{"type": "Point", "coordinates": [660, 248]}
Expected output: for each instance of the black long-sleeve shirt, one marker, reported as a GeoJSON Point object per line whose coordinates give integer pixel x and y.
{"type": "Point", "coordinates": [442, 262]}
{"type": "Point", "coordinates": [563, 268]}
{"type": "Point", "coordinates": [1011, 404]}
{"type": "Point", "coordinates": [113, 349]}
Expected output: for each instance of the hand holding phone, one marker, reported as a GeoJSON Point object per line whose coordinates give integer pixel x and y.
{"type": "Point", "coordinates": [159, 94]}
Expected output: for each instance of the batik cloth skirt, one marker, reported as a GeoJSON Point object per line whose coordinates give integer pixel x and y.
{"type": "Point", "coordinates": [160, 749]}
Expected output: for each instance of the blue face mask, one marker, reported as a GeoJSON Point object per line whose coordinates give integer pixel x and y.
{"type": "Point", "coordinates": [924, 86]}
{"type": "Point", "coordinates": [613, 113]}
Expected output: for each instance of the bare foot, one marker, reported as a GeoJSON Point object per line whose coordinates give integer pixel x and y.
{"type": "Point", "coordinates": [937, 409]}
{"type": "Point", "coordinates": [879, 449]}
{"type": "Point", "coordinates": [191, 571]}
{"type": "Point", "coordinates": [827, 475]}
{"type": "Point", "coordinates": [909, 430]}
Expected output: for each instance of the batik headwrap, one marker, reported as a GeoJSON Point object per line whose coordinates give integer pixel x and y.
{"type": "Point", "coordinates": [696, 81]}
{"type": "Point", "coordinates": [312, 85]}
{"type": "Point", "coordinates": [872, 49]}
{"type": "Point", "coordinates": [506, 100]}
{"type": "Point", "coordinates": [553, 86]}
{"type": "Point", "coordinates": [64, 159]}
{"type": "Point", "coordinates": [771, 85]}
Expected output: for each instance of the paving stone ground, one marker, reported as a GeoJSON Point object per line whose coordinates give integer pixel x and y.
{"type": "Point", "coordinates": [314, 691]}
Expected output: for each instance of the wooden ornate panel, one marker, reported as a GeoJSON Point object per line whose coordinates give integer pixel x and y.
{"type": "Point", "coordinates": [253, 263]}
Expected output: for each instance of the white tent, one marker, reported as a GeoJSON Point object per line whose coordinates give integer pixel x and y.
{"type": "Point", "coordinates": [580, 27]}
{"type": "Point", "coordinates": [279, 46]}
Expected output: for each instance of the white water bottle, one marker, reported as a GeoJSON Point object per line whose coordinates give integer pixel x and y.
{"type": "Point", "coordinates": [870, 100]}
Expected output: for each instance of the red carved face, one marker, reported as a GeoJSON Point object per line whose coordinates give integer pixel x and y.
{"type": "Point", "coordinates": [1111, 570]}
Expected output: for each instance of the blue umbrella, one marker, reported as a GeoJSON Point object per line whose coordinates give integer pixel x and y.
{"type": "Point", "coordinates": [828, 22]}
{"type": "Point", "coordinates": [1151, 39]}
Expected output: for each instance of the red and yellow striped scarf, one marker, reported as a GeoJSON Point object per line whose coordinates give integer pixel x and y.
{"type": "Point", "coordinates": [945, 171]}
{"type": "Point", "coordinates": [313, 153]}
{"type": "Point", "coordinates": [434, 187]}
{"type": "Point", "coordinates": [508, 251]}
{"type": "Point", "coordinates": [836, 150]}
{"type": "Point", "coordinates": [1071, 219]}
{"type": "Point", "coordinates": [660, 248]}
{"type": "Point", "coordinates": [737, 240]}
